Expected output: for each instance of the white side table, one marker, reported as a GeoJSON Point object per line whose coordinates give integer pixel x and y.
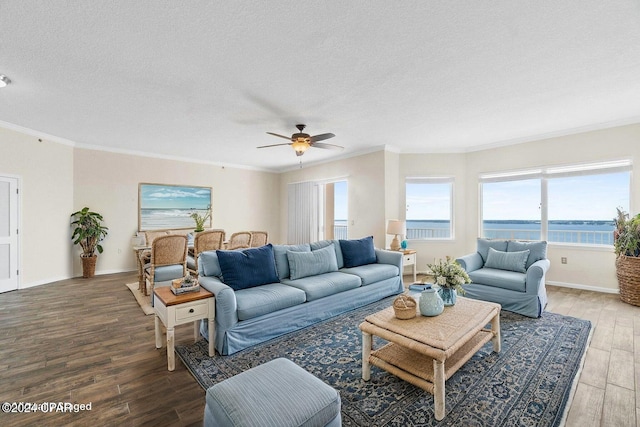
{"type": "Point", "coordinates": [409, 259]}
{"type": "Point", "coordinates": [173, 310]}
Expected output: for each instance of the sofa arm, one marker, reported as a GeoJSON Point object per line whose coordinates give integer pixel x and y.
{"type": "Point", "coordinates": [471, 262]}
{"type": "Point", "coordinates": [226, 306]}
{"type": "Point", "coordinates": [389, 257]}
{"type": "Point", "coordinates": [536, 274]}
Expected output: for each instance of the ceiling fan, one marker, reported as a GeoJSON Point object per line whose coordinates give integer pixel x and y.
{"type": "Point", "coordinates": [301, 142]}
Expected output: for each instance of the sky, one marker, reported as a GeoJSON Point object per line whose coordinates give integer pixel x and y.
{"type": "Point", "coordinates": [340, 200]}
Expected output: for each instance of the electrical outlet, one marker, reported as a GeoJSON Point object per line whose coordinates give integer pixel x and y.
{"type": "Point", "coordinates": [563, 260]}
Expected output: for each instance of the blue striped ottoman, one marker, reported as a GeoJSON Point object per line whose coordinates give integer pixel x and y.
{"type": "Point", "coordinates": [278, 393]}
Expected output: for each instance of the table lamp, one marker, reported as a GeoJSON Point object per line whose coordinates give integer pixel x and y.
{"type": "Point", "coordinates": [395, 227]}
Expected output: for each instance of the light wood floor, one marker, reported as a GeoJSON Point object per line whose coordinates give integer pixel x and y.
{"type": "Point", "coordinates": [87, 341]}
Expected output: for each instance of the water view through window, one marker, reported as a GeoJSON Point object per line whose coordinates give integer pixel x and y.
{"type": "Point", "coordinates": [580, 207]}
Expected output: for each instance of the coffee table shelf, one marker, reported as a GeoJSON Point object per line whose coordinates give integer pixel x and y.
{"type": "Point", "coordinates": [426, 351]}
{"type": "Point", "coordinates": [418, 369]}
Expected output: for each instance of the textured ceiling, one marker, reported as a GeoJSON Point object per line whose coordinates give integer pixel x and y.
{"type": "Point", "coordinates": [205, 80]}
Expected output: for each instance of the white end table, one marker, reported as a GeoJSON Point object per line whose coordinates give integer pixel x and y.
{"type": "Point", "coordinates": [409, 259]}
{"type": "Point", "coordinates": [173, 310]}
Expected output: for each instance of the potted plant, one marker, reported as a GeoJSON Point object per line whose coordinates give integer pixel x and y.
{"type": "Point", "coordinates": [88, 232]}
{"type": "Point", "coordinates": [201, 219]}
{"type": "Point", "coordinates": [626, 242]}
{"type": "Point", "coordinates": [450, 277]}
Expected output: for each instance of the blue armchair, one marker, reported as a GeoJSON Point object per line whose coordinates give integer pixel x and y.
{"type": "Point", "coordinates": [509, 272]}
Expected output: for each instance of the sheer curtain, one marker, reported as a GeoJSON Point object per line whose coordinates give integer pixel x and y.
{"type": "Point", "coordinates": [303, 199]}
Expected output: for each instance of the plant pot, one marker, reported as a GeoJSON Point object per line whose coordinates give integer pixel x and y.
{"type": "Point", "coordinates": [628, 273]}
{"type": "Point", "coordinates": [89, 266]}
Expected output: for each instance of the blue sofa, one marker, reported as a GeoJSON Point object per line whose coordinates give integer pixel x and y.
{"type": "Point", "coordinates": [265, 292]}
{"type": "Point", "coordinates": [509, 272]}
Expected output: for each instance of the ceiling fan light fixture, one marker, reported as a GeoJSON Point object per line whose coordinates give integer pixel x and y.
{"type": "Point", "coordinates": [300, 146]}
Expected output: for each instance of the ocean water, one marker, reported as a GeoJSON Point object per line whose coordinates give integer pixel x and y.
{"type": "Point", "coordinates": [570, 231]}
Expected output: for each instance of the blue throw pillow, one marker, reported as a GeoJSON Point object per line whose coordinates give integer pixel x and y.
{"type": "Point", "coordinates": [304, 264]}
{"type": "Point", "coordinates": [538, 250]}
{"type": "Point", "coordinates": [485, 244]}
{"type": "Point", "coordinates": [280, 255]}
{"type": "Point", "coordinates": [358, 252]}
{"type": "Point", "coordinates": [511, 261]}
{"type": "Point", "coordinates": [248, 268]}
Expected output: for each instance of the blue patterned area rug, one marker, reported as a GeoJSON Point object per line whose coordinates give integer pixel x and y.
{"type": "Point", "coordinates": [529, 383]}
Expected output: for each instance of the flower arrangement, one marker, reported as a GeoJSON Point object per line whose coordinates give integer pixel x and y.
{"type": "Point", "coordinates": [201, 219]}
{"type": "Point", "coordinates": [626, 236]}
{"type": "Point", "coordinates": [449, 274]}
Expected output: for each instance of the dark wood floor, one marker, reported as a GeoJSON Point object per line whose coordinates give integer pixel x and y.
{"type": "Point", "coordinates": [87, 341]}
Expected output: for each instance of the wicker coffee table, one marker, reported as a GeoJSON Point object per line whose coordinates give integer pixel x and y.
{"type": "Point", "coordinates": [427, 351]}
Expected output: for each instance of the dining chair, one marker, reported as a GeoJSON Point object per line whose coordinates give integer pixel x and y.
{"type": "Point", "coordinates": [208, 240]}
{"type": "Point", "coordinates": [168, 260]}
{"type": "Point", "coordinates": [239, 240]}
{"type": "Point", "coordinates": [259, 238]}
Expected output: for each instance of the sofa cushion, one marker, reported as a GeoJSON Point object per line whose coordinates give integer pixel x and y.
{"type": "Point", "coordinates": [358, 252]}
{"type": "Point", "coordinates": [248, 267]}
{"type": "Point", "coordinates": [499, 278]}
{"type": "Point", "coordinates": [322, 285]}
{"type": "Point", "coordinates": [166, 272]}
{"type": "Point", "coordinates": [511, 261]}
{"type": "Point", "coordinates": [336, 245]}
{"type": "Point", "coordinates": [537, 250]}
{"type": "Point", "coordinates": [259, 300]}
{"type": "Point", "coordinates": [373, 273]}
{"type": "Point", "coordinates": [304, 264]}
{"type": "Point", "coordinates": [485, 244]}
{"type": "Point", "coordinates": [209, 264]}
{"type": "Point", "coordinates": [280, 255]}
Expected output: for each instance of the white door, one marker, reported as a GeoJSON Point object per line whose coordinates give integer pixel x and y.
{"type": "Point", "coordinates": [8, 234]}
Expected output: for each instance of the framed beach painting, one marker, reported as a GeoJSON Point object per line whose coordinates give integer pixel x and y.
{"type": "Point", "coordinates": [163, 207]}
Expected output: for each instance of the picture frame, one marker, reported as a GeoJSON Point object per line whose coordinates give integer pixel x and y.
{"type": "Point", "coordinates": [169, 206]}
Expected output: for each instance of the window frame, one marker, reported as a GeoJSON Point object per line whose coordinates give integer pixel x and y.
{"type": "Point", "coordinates": [433, 180]}
{"type": "Point", "coordinates": [549, 173]}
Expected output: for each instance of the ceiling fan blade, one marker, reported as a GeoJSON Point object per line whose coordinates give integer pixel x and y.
{"type": "Point", "coordinates": [328, 146]}
{"type": "Point", "coordinates": [281, 136]}
{"type": "Point", "coordinates": [322, 137]}
{"type": "Point", "coordinates": [273, 145]}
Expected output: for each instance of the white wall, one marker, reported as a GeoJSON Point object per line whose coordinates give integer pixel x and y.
{"type": "Point", "coordinates": [366, 192]}
{"type": "Point", "coordinates": [58, 179]}
{"type": "Point", "coordinates": [45, 170]}
{"type": "Point", "coordinates": [243, 199]}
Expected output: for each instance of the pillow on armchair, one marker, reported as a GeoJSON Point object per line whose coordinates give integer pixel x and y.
{"type": "Point", "coordinates": [537, 250]}
{"type": "Point", "coordinates": [510, 261]}
{"type": "Point", "coordinates": [485, 244]}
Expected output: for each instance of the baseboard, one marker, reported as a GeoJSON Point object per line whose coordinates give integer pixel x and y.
{"type": "Point", "coordinates": [42, 282]}
{"type": "Point", "coordinates": [583, 287]}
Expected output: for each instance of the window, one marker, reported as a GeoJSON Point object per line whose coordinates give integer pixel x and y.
{"type": "Point", "coordinates": [511, 209]}
{"type": "Point", "coordinates": [340, 209]}
{"type": "Point", "coordinates": [569, 205]}
{"type": "Point", "coordinates": [429, 208]}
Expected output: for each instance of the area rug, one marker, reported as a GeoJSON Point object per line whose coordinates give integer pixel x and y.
{"type": "Point", "coordinates": [144, 301]}
{"type": "Point", "coordinates": [529, 383]}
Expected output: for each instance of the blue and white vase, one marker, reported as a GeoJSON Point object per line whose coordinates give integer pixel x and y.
{"type": "Point", "coordinates": [430, 303]}
{"type": "Point", "coordinates": [448, 295]}
{"type": "Point", "coordinates": [403, 244]}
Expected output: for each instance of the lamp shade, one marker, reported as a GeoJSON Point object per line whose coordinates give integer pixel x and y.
{"type": "Point", "coordinates": [395, 226]}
